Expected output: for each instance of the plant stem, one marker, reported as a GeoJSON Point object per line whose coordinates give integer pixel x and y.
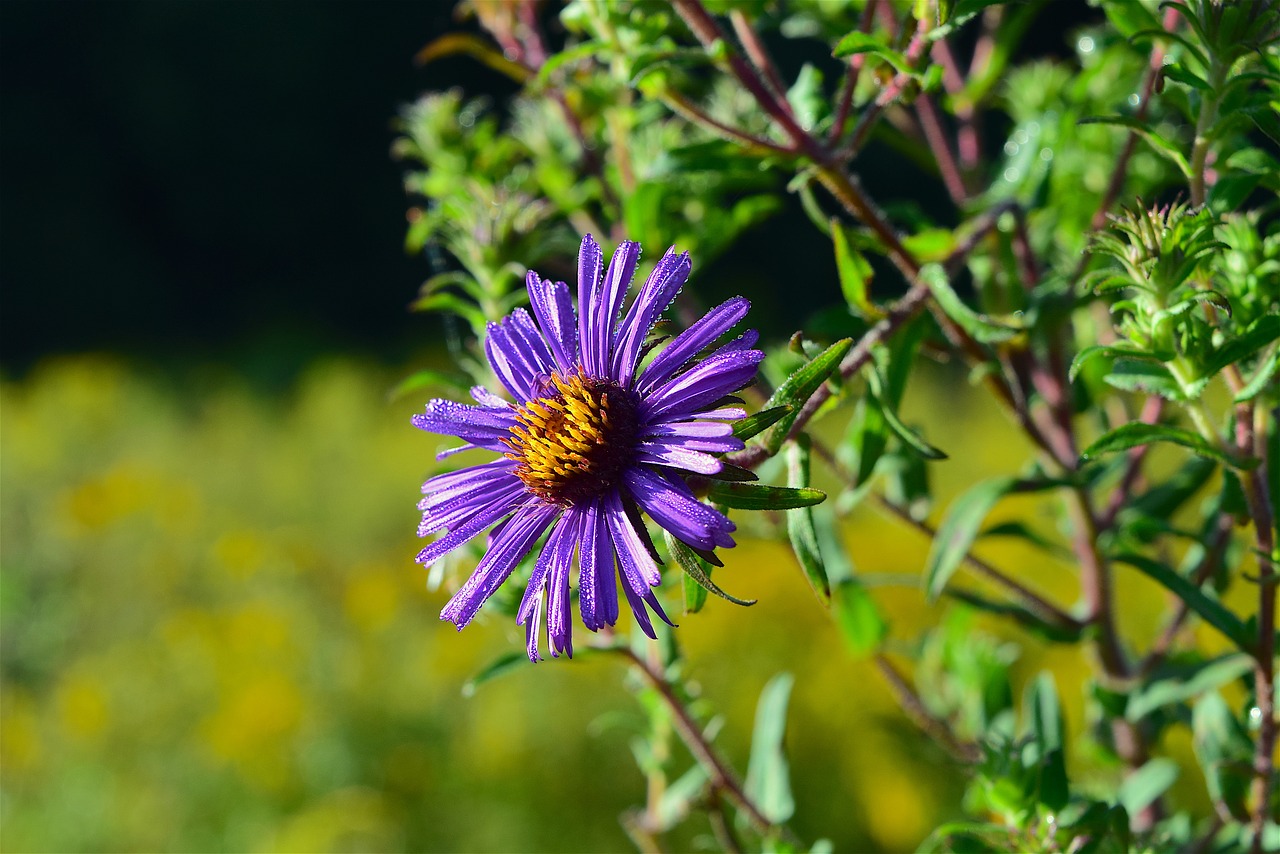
{"type": "Point", "coordinates": [915, 709]}
{"type": "Point", "coordinates": [1035, 603]}
{"type": "Point", "coordinates": [723, 780]}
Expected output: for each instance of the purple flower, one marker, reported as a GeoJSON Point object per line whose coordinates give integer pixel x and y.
{"type": "Point", "coordinates": [591, 440]}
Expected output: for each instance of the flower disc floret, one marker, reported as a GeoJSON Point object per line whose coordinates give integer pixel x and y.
{"type": "Point", "coordinates": [572, 445]}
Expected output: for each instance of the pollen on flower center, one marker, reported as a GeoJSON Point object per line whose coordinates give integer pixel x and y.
{"type": "Point", "coordinates": [574, 444]}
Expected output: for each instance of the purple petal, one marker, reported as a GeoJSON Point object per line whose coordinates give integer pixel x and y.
{"type": "Point", "coordinates": [518, 354]}
{"type": "Point", "coordinates": [596, 321]}
{"type": "Point", "coordinates": [704, 383]}
{"type": "Point", "coordinates": [480, 426]}
{"type": "Point", "coordinates": [482, 518]}
{"type": "Point", "coordinates": [681, 349]}
{"type": "Point", "coordinates": [670, 503]}
{"type": "Point", "coordinates": [589, 265]}
{"type": "Point", "coordinates": [448, 508]}
{"type": "Point", "coordinates": [595, 568]}
{"type": "Point", "coordinates": [725, 413]}
{"type": "Point", "coordinates": [519, 536]}
{"type": "Point", "coordinates": [715, 437]}
{"type": "Point", "coordinates": [668, 276]}
{"type": "Point", "coordinates": [638, 568]}
{"type": "Point", "coordinates": [553, 307]}
{"type": "Point", "coordinates": [559, 603]}
{"type": "Point", "coordinates": [488, 399]}
{"type": "Point", "coordinates": [745, 341]}
{"type": "Point", "coordinates": [676, 457]}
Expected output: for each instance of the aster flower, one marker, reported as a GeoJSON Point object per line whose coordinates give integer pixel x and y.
{"type": "Point", "coordinates": [591, 439]}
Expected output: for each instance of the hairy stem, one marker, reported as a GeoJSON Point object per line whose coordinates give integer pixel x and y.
{"type": "Point", "coordinates": [723, 780]}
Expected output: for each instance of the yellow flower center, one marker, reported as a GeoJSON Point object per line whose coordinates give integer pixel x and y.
{"type": "Point", "coordinates": [574, 443]}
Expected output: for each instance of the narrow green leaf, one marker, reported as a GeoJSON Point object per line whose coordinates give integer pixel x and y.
{"type": "Point", "coordinates": [1211, 611]}
{"type": "Point", "coordinates": [1102, 350]}
{"type": "Point", "coordinates": [695, 595]}
{"type": "Point", "coordinates": [692, 566]}
{"type": "Point", "coordinates": [451, 303]}
{"type": "Point", "coordinates": [563, 58]}
{"type": "Point", "coordinates": [959, 529]}
{"type": "Point", "coordinates": [1261, 379]}
{"type": "Point", "coordinates": [1138, 433]}
{"type": "Point", "coordinates": [860, 42]}
{"type": "Point", "coordinates": [855, 274]}
{"type": "Point", "coordinates": [908, 436]}
{"type": "Point", "coordinates": [504, 663]}
{"type": "Point", "coordinates": [768, 782]}
{"type": "Point", "coordinates": [1155, 140]}
{"type": "Point", "coordinates": [759, 496]}
{"type": "Point", "coordinates": [800, 528]}
{"type": "Point", "coordinates": [678, 798]}
{"type": "Point", "coordinates": [980, 326]}
{"type": "Point", "coordinates": [799, 387]}
{"type": "Point", "coordinates": [1260, 333]}
{"type": "Point", "coordinates": [753, 424]}
{"type": "Point", "coordinates": [1129, 374]}
{"type": "Point", "coordinates": [1028, 620]}
{"type": "Point", "coordinates": [1144, 786]}
{"type": "Point", "coordinates": [423, 379]}
{"type": "Point", "coordinates": [1044, 712]}
{"type": "Point", "coordinates": [1187, 685]}
{"type": "Point", "coordinates": [858, 617]}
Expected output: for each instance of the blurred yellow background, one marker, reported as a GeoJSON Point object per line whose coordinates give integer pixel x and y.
{"type": "Point", "coordinates": [215, 637]}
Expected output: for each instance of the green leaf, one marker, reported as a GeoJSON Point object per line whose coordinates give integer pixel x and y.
{"type": "Point", "coordinates": [753, 424]}
{"type": "Point", "coordinates": [1211, 611]}
{"type": "Point", "coordinates": [1260, 333]}
{"type": "Point", "coordinates": [960, 527]}
{"type": "Point", "coordinates": [1155, 140]}
{"type": "Point", "coordinates": [858, 617]}
{"type": "Point", "coordinates": [1044, 713]}
{"type": "Point", "coordinates": [908, 436]}
{"type": "Point", "coordinates": [768, 782]}
{"type": "Point", "coordinates": [980, 326]}
{"type": "Point", "coordinates": [504, 663]}
{"type": "Point", "coordinates": [1029, 620]}
{"type": "Point", "coordinates": [695, 595]}
{"type": "Point", "coordinates": [759, 496]}
{"type": "Point", "coordinates": [1261, 379]}
{"type": "Point", "coordinates": [1144, 786]}
{"type": "Point", "coordinates": [1102, 350]}
{"type": "Point", "coordinates": [860, 42]}
{"type": "Point", "coordinates": [931, 244]}
{"type": "Point", "coordinates": [1145, 377]}
{"type": "Point", "coordinates": [692, 566]}
{"type": "Point", "coordinates": [422, 379]}
{"type": "Point", "coordinates": [679, 797]}
{"type": "Point", "coordinates": [800, 527]}
{"type": "Point", "coordinates": [451, 303]}
{"type": "Point", "coordinates": [1223, 749]}
{"type": "Point", "coordinates": [855, 274]}
{"type": "Point", "coordinates": [799, 387]}
{"type": "Point", "coordinates": [1187, 685]}
{"type": "Point", "coordinates": [1138, 433]}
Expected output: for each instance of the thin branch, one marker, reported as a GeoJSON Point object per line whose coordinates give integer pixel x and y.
{"type": "Point", "coordinates": [931, 124]}
{"type": "Point", "coordinates": [911, 703]}
{"type": "Point", "coordinates": [722, 778]}
{"type": "Point", "coordinates": [1035, 603]}
{"type": "Point", "coordinates": [759, 55]}
{"type": "Point", "coordinates": [691, 111]}
{"type": "Point", "coordinates": [1151, 411]}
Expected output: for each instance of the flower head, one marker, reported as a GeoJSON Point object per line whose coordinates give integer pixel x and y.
{"type": "Point", "coordinates": [592, 438]}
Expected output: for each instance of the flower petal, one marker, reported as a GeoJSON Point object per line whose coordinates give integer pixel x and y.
{"type": "Point", "coordinates": [482, 518]}
{"type": "Point", "coordinates": [518, 537]}
{"type": "Point", "coordinates": [676, 457]}
{"type": "Point", "coordinates": [448, 508]}
{"type": "Point", "coordinates": [518, 354]}
{"type": "Point", "coordinates": [551, 571]}
{"type": "Point", "coordinates": [597, 579]}
{"type": "Point", "coordinates": [671, 504]}
{"type": "Point", "coordinates": [715, 437]}
{"type": "Point", "coordinates": [480, 426]}
{"type": "Point", "coordinates": [668, 276]}
{"type": "Point", "coordinates": [681, 349]}
{"type": "Point", "coordinates": [554, 309]}
{"type": "Point", "coordinates": [704, 383]}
